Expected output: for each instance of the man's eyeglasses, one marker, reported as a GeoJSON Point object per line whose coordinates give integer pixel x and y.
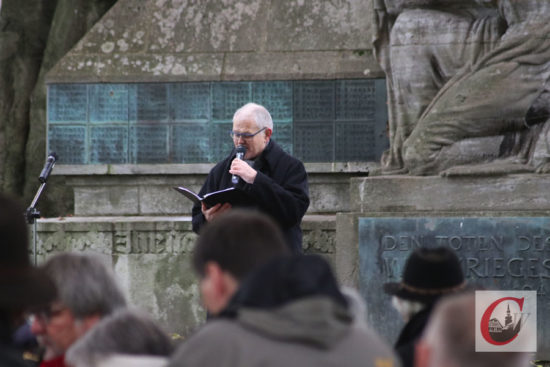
{"type": "Point", "coordinates": [47, 314]}
{"type": "Point", "coordinates": [236, 135]}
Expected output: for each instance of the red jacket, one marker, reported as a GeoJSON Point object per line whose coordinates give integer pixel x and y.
{"type": "Point", "coordinates": [56, 362]}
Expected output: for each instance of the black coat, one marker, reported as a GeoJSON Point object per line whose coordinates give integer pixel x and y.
{"type": "Point", "coordinates": [280, 190]}
{"type": "Point", "coordinates": [12, 357]}
{"type": "Point", "coordinates": [409, 336]}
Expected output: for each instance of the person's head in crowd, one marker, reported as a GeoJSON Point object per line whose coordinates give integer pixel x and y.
{"type": "Point", "coordinates": [22, 287]}
{"type": "Point", "coordinates": [252, 128]}
{"type": "Point", "coordinates": [284, 279]}
{"type": "Point", "coordinates": [288, 311]}
{"type": "Point", "coordinates": [125, 332]}
{"type": "Point", "coordinates": [449, 339]}
{"type": "Point", "coordinates": [229, 248]}
{"type": "Point", "coordinates": [429, 274]}
{"type": "Point", "coordinates": [87, 291]}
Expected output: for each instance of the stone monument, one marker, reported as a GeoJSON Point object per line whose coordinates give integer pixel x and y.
{"type": "Point", "coordinates": [467, 84]}
{"type": "Point", "coordinates": [144, 102]}
{"type": "Point", "coordinates": [469, 106]}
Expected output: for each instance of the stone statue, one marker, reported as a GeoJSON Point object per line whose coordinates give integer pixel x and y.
{"type": "Point", "coordinates": [467, 85]}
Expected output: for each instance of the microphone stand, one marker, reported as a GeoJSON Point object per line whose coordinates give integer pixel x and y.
{"type": "Point", "coordinates": [32, 214]}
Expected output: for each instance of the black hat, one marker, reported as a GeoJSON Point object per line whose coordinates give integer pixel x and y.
{"type": "Point", "coordinates": [428, 274]}
{"type": "Point", "coordinates": [21, 285]}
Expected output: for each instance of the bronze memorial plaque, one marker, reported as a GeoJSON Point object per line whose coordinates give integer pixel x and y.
{"type": "Point", "coordinates": [500, 253]}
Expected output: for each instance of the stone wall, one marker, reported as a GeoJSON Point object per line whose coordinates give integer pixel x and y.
{"type": "Point", "coordinates": [202, 40]}
{"type": "Point", "coordinates": [151, 257]}
{"type": "Point", "coordinates": [148, 189]}
{"type": "Point", "coordinates": [498, 227]}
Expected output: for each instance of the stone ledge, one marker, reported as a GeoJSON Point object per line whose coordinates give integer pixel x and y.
{"type": "Point", "coordinates": [196, 168]}
{"type": "Point", "coordinates": [401, 194]}
{"type": "Point", "coordinates": [145, 219]}
{"type": "Point", "coordinates": [152, 193]}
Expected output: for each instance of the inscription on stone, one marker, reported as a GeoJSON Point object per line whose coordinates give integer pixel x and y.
{"type": "Point", "coordinates": [67, 103]}
{"type": "Point", "coordinates": [147, 242]}
{"type": "Point", "coordinates": [314, 142]}
{"type": "Point", "coordinates": [276, 97]}
{"type": "Point", "coordinates": [314, 101]}
{"type": "Point", "coordinates": [355, 100]}
{"type": "Point", "coordinates": [108, 103]}
{"type": "Point", "coordinates": [509, 253]}
{"type": "Point", "coordinates": [316, 120]}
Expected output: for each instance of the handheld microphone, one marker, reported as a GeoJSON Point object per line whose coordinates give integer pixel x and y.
{"type": "Point", "coordinates": [50, 162]}
{"type": "Point", "coordinates": [241, 151]}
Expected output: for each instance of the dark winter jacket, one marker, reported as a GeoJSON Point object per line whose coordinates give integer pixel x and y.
{"type": "Point", "coordinates": [280, 190]}
{"type": "Point", "coordinates": [289, 312]}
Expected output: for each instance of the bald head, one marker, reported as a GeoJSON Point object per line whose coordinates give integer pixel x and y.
{"type": "Point", "coordinates": [449, 338]}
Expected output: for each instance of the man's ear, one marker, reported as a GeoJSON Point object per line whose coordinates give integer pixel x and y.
{"type": "Point", "coordinates": [214, 274]}
{"type": "Point", "coordinates": [268, 133]}
{"type": "Point", "coordinates": [217, 287]}
{"type": "Point", "coordinates": [224, 283]}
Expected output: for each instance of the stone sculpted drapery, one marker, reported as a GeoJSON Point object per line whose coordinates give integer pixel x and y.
{"type": "Point", "coordinates": [461, 70]}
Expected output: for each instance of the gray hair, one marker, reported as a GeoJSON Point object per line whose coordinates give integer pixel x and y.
{"type": "Point", "coordinates": [127, 332]}
{"type": "Point", "coordinates": [258, 113]}
{"type": "Point", "coordinates": [450, 334]}
{"type": "Point", "coordinates": [406, 308]}
{"type": "Point", "coordinates": [85, 284]}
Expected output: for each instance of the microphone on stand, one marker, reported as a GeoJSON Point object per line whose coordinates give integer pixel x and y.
{"type": "Point", "coordinates": [241, 151]}
{"type": "Point", "coordinates": [50, 162]}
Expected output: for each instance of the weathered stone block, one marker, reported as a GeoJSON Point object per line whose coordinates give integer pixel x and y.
{"type": "Point", "coordinates": [107, 199]}
{"type": "Point", "coordinates": [346, 257]}
{"type": "Point", "coordinates": [156, 41]}
{"type": "Point", "coordinates": [525, 192]}
{"type": "Point", "coordinates": [300, 65]}
{"type": "Point", "coordinates": [306, 25]}
{"type": "Point", "coordinates": [152, 258]}
{"type": "Point", "coordinates": [164, 200]}
{"type": "Point", "coordinates": [148, 189]}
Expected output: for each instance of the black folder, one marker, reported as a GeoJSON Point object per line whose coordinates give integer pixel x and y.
{"type": "Point", "coordinates": [231, 195]}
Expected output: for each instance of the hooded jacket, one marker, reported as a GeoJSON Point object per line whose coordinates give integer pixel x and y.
{"type": "Point", "coordinates": [290, 313]}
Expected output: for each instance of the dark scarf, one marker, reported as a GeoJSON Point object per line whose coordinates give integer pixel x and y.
{"type": "Point", "coordinates": [285, 279]}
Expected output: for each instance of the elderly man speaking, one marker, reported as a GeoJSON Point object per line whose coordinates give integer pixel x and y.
{"type": "Point", "coordinates": [275, 182]}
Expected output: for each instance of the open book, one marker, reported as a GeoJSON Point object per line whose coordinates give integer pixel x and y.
{"type": "Point", "coordinates": [232, 195]}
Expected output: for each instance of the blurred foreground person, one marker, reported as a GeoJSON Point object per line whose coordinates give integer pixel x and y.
{"type": "Point", "coordinates": [429, 274]}
{"type": "Point", "coordinates": [289, 312]}
{"type": "Point", "coordinates": [127, 338]}
{"type": "Point", "coordinates": [449, 339]}
{"type": "Point", "coordinates": [229, 248]}
{"type": "Point", "coordinates": [22, 287]}
{"type": "Point", "coordinates": [87, 291]}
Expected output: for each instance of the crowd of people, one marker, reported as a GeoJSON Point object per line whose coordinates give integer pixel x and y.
{"type": "Point", "coordinates": [269, 308]}
{"type": "Point", "coordinates": [267, 304]}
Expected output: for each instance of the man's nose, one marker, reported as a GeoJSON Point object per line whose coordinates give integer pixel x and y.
{"type": "Point", "coordinates": [37, 326]}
